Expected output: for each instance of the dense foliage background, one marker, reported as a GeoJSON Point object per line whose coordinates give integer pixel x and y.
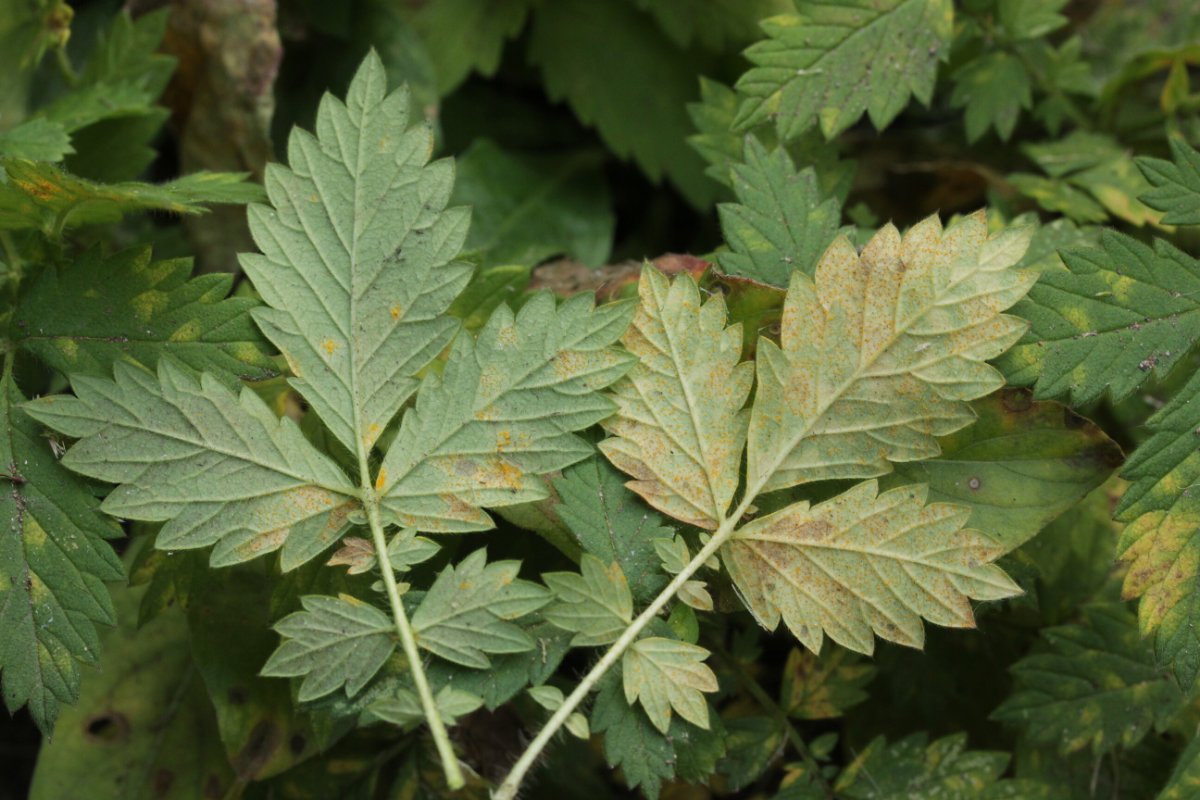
{"type": "Point", "coordinates": [589, 136]}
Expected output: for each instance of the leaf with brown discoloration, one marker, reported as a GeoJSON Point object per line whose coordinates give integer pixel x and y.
{"type": "Point", "coordinates": [865, 563]}
{"type": "Point", "coordinates": [680, 428]}
{"type": "Point", "coordinates": [881, 352]}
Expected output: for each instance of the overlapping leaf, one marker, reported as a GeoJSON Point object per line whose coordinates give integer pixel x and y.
{"type": "Point", "coordinates": [357, 257]}
{"type": "Point", "coordinates": [780, 224]}
{"type": "Point", "coordinates": [1165, 468]}
{"type": "Point", "coordinates": [1176, 184]}
{"type": "Point", "coordinates": [667, 676]}
{"type": "Point", "coordinates": [823, 687]}
{"type": "Point", "coordinates": [865, 563]}
{"type": "Point", "coordinates": [679, 430]}
{"type": "Point", "coordinates": [834, 60]}
{"type": "Point", "coordinates": [1118, 314]}
{"type": "Point", "coordinates": [993, 89]}
{"type": "Point", "coordinates": [128, 307]}
{"type": "Point", "coordinates": [502, 413]}
{"type": "Point", "coordinates": [595, 604]}
{"type": "Point", "coordinates": [53, 565]}
{"type": "Point", "coordinates": [465, 36]}
{"type": "Point", "coordinates": [1095, 686]}
{"type": "Point", "coordinates": [216, 467]}
{"type": "Point", "coordinates": [880, 353]}
{"type": "Point", "coordinates": [334, 643]}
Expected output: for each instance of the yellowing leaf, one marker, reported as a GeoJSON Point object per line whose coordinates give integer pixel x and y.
{"type": "Point", "coordinates": [880, 354]}
{"type": "Point", "coordinates": [865, 562]}
{"type": "Point", "coordinates": [679, 430]}
{"type": "Point", "coordinates": [668, 675]}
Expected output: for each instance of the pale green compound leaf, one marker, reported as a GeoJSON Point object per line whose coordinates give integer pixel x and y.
{"type": "Point", "coordinates": [405, 708]}
{"type": "Point", "coordinates": [680, 430]}
{"type": "Point", "coordinates": [53, 565]}
{"type": "Point", "coordinates": [468, 612]}
{"type": "Point", "coordinates": [1095, 685]}
{"type": "Point", "coordinates": [39, 195]}
{"type": "Point", "coordinates": [1020, 465]}
{"type": "Point", "coordinates": [546, 696]}
{"type": "Point", "coordinates": [834, 60]}
{"type": "Point", "coordinates": [407, 549]}
{"type": "Point", "coordinates": [781, 222]}
{"type": "Point", "coordinates": [865, 563]}
{"type": "Point", "coordinates": [594, 604]}
{"type": "Point", "coordinates": [993, 88]}
{"type": "Point", "coordinates": [502, 413]}
{"type": "Point", "coordinates": [357, 257]}
{"type": "Point", "coordinates": [668, 676]}
{"type": "Point", "coordinates": [128, 307]}
{"type": "Point", "coordinates": [217, 467]}
{"type": "Point", "coordinates": [673, 553]}
{"type": "Point", "coordinates": [334, 643]}
{"type": "Point", "coordinates": [880, 353]}
{"type": "Point", "coordinates": [1176, 184]}
{"type": "Point", "coordinates": [1162, 549]}
{"type": "Point", "coordinates": [1115, 316]}
{"type": "Point", "coordinates": [612, 523]}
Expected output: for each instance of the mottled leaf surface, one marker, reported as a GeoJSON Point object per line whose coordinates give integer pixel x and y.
{"type": "Point", "coordinates": [865, 563]}
{"type": "Point", "coordinates": [503, 412]}
{"type": "Point", "coordinates": [54, 561]}
{"type": "Point", "coordinates": [679, 429]}
{"type": "Point", "coordinates": [1095, 685]}
{"type": "Point", "coordinates": [217, 467]}
{"type": "Point", "coordinates": [834, 60]}
{"type": "Point", "coordinates": [880, 353]}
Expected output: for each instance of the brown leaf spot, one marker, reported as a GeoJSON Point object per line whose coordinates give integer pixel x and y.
{"type": "Point", "coordinates": [112, 726]}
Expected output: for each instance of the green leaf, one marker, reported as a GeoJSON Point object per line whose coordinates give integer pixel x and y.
{"type": "Point", "coordinates": [781, 222]}
{"type": "Point", "coordinates": [39, 195]}
{"type": "Point", "coordinates": [356, 260]}
{"type": "Point", "coordinates": [229, 622]}
{"type": "Point", "coordinates": [1094, 685]}
{"type": "Point", "coordinates": [1176, 185]}
{"type": "Point", "coordinates": [1019, 466]}
{"type": "Point", "coordinates": [1091, 177]}
{"type": "Point", "coordinates": [127, 307]}
{"type": "Point", "coordinates": [37, 140]}
{"type": "Point", "coordinates": [1030, 19]}
{"type": "Point", "coordinates": [468, 611]}
{"type": "Point", "coordinates": [1118, 314]}
{"type": "Point", "coordinates": [595, 604]}
{"type": "Point", "coordinates": [405, 708]}
{"type": "Point", "coordinates": [487, 290]}
{"type": "Point", "coordinates": [919, 769]}
{"type": "Point", "coordinates": [754, 743]}
{"type": "Point", "coordinates": [1185, 779]}
{"type": "Point", "coordinates": [526, 208]}
{"type": "Point", "coordinates": [465, 36]}
{"type": "Point", "coordinates": [645, 756]}
{"type": "Point", "coordinates": [865, 563]}
{"type": "Point", "coordinates": [53, 565]}
{"type": "Point", "coordinates": [880, 352]}
{"type": "Point", "coordinates": [834, 60]}
{"type": "Point", "coordinates": [613, 524]}
{"type": "Point", "coordinates": [823, 687]}
{"type": "Point", "coordinates": [717, 25]}
{"type": "Point", "coordinates": [501, 413]}
{"type": "Point", "coordinates": [680, 430]}
{"type": "Point", "coordinates": [1162, 549]}
{"type": "Point", "coordinates": [600, 57]}
{"type": "Point", "coordinates": [216, 467]}
{"type": "Point", "coordinates": [993, 88]}
{"type": "Point", "coordinates": [334, 642]}
{"type": "Point", "coordinates": [666, 675]}
{"type": "Point", "coordinates": [143, 726]}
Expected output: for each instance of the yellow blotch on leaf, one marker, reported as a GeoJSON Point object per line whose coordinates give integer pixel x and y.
{"type": "Point", "coordinates": [329, 346]}
{"type": "Point", "coordinates": [381, 480]}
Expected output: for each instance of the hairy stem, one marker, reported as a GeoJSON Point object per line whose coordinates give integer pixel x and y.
{"type": "Point", "coordinates": [508, 789]}
{"type": "Point", "coordinates": [454, 776]}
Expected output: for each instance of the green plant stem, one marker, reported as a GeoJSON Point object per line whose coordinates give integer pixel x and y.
{"type": "Point", "coordinates": [454, 776]}
{"type": "Point", "coordinates": [63, 60]}
{"type": "Point", "coordinates": [16, 266]}
{"type": "Point", "coordinates": [508, 789]}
